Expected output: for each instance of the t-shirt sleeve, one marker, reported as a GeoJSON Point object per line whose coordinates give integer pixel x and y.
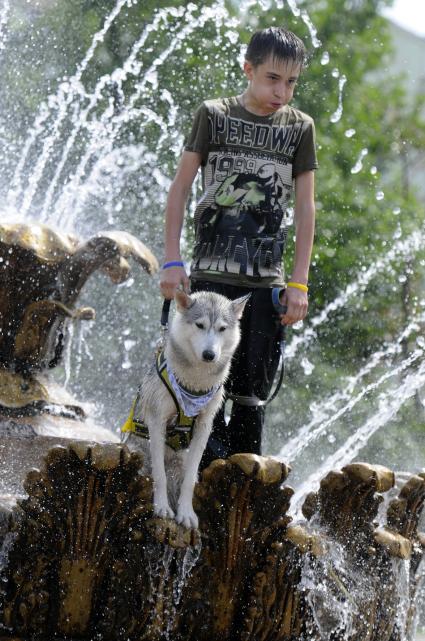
{"type": "Point", "coordinates": [305, 158]}
{"type": "Point", "coordinates": [198, 137]}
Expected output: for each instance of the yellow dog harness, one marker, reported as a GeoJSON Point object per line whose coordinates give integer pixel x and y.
{"type": "Point", "coordinates": [180, 430]}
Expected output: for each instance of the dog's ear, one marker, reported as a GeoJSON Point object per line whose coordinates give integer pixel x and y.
{"type": "Point", "coordinates": [183, 300]}
{"type": "Point", "coordinates": [238, 305]}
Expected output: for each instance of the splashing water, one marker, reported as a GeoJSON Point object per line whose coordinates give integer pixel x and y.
{"type": "Point", "coordinates": [186, 562]}
{"type": "Point", "coordinates": [61, 102]}
{"type": "Point", "coordinates": [337, 115]}
{"type": "Point", "coordinates": [390, 404]}
{"type": "Point", "coordinates": [161, 561]}
{"type": "Point", "coordinates": [312, 29]}
{"type": "Point", "coordinates": [5, 549]}
{"type": "Point", "coordinates": [408, 246]}
{"type": "Point", "coordinates": [359, 164]}
{"type": "Point", "coordinates": [4, 15]}
{"type": "Point", "coordinates": [401, 571]}
{"type": "Point", "coordinates": [337, 592]}
{"type": "Point", "coordinates": [324, 414]}
{"type": "Point", "coordinates": [325, 58]}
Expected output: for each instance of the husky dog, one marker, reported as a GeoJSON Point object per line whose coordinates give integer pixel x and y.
{"type": "Point", "coordinates": [201, 341]}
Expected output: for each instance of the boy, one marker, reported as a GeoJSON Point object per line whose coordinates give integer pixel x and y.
{"type": "Point", "coordinates": [251, 148]}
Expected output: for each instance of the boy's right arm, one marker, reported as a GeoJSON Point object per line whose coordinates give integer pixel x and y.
{"type": "Point", "coordinates": [174, 277]}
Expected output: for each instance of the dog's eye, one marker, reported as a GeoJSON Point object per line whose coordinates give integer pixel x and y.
{"type": "Point", "coordinates": [200, 325]}
{"type": "Point", "coordinates": [221, 329]}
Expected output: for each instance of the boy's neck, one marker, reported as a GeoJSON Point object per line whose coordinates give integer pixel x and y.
{"type": "Point", "coordinates": [250, 105]}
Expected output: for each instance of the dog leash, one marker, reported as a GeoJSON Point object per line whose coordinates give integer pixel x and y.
{"type": "Point", "coordinates": [165, 313]}
{"type": "Point", "coordinates": [254, 401]}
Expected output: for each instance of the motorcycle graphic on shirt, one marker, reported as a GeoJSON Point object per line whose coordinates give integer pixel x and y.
{"type": "Point", "coordinates": [240, 231]}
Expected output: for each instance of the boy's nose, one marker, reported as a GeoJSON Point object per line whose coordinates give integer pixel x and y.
{"type": "Point", "coordinates": [280, 92]}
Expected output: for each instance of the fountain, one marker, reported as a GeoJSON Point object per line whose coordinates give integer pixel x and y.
{"type": "Point", "coordinates": [41, 275]}
{"type": "Point", "coordinates": [81, 553]}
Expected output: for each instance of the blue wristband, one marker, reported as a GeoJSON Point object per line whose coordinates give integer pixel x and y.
{"type": "Point", "coordinates": [276, 292]}
{"type": "Point", "coordinates": [173, 263]}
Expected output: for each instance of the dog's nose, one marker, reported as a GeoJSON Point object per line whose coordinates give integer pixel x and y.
{"type": "Point", "coordinates": [208, 355]}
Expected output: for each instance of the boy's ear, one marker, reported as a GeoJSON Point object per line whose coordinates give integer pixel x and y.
{"type": "Point", "coordinates": [238, 305]}
{"type": "Point", "coordinates": [183, 300]}
{"type": "Point", "coordinates": [248, 69]}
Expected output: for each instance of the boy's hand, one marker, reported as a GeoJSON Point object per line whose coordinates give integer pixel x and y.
{"type": "Point", "coordinates": [297, 304]}
{"type": "Point", "coordinates": [171, 279]}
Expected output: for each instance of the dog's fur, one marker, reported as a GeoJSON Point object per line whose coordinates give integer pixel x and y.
{"type": "Point", "coordinates": [201, 341]}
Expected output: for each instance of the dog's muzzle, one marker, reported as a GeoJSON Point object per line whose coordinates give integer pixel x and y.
{"type": "Point", "coordinates": [208, 355]}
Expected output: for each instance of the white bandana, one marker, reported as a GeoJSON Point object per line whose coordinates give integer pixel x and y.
{"type": "Point", "coordinates": [191, 404]}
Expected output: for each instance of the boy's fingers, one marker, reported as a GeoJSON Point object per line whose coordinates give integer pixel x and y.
{"type": "Point", "coordinates": [171, 279]}
{"type": "Point", "coordinates": [186, 285]}
{"type": "Point", "coordinates": [297, 308]}
{"type": "Point", "coordinates": [167, 292]}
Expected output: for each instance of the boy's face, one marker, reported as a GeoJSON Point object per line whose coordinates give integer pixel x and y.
{"type": "Point", "coordinates": [271, 84]}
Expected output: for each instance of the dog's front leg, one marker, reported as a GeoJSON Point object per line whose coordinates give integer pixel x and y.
{"type": "Point", "coordinates": [157, 432]}
{"type": "Point", "coordinates": [185, 512]}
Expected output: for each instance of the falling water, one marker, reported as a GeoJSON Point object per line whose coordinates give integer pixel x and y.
{"type": "Point", "coordinates": [5, 549]}
{"type": "Point", "coordinates": [4, 15]}
{"type": "Point", "coordinates": [337, 592]}
{"type": "Point", "coordinates": [324, 414]}
{"type": "Point", "coordinates": [405, 247]}
{"type": "Point", "coordinates": [336, 116]}
{"type": "Point", "coordinates": [359, 164]}
{"type": "Point", "coordinates": [61, 101]}
{"type": "Point", "coordinates": [390, 403]}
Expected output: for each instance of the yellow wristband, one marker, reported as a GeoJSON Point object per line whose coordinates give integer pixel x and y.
{"type": "Point", "coordinates": [300, 286]}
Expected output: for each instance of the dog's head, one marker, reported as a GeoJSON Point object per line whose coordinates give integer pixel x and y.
{"type": "Point", "coordinates": [207, 324]}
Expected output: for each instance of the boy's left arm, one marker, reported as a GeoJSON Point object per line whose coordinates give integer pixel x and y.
{"type": "Point", "coordinates": [296, 299]}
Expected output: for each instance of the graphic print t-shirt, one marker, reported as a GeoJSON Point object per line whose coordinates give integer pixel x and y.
{"type": "Point", "coordinates": [248, 166]}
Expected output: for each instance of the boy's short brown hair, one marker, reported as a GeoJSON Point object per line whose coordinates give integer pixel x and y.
{"type": "Point", "coordinates": [277, 43]}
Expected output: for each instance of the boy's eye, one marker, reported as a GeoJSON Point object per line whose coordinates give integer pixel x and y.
{"type": "Point", "coordinates": [200, 325]}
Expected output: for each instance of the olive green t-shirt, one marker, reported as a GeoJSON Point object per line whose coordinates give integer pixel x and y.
{"type": "Point", "coordinates": [249, 163]}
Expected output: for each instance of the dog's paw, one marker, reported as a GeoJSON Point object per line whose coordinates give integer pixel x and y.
{"type": "Point", "coordinates": [164, 511]}
{"type": "Point", "coordinates": [187, 518]}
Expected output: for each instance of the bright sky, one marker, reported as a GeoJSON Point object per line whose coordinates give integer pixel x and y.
{"type": "Point", "coordinates": [409, 14]}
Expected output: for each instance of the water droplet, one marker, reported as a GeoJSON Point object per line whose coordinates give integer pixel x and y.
{"type": "Point", "coordinates": [397, 233]}
{"type": "Point", "coordinates": [307, 366]}
{"type": "Point", "coordinates": [359, 165]}
{"type": "Point", "coordinates": [396, 211]}
{"type": "Point", "coordinates": [373, 170]}
{"type": "Point", "coordinates": [335, 73]}
{"type": "Point", "coordinates": [380, 195]}
{"type": "Point", "coordinates": [350, 133]}
{"type": "Point", "coordinates": [336, 117]}
{"type": "Point", "coordinates": [325, 58]}
{"type": "Point", "coordinates": [293, 6]}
